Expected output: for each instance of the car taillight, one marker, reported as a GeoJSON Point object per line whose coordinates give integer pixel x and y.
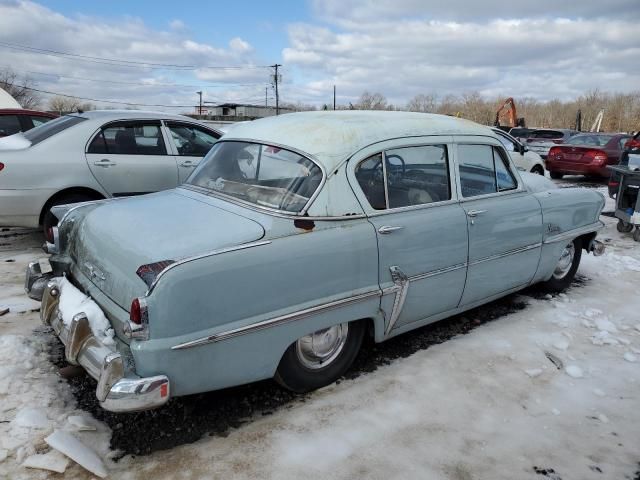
{"type": "Point", "coordinates": [1, 166]}
{"type": "Point", "coordinates": [596, 156]}
{"type": "Point", "coordinates": [613, 184]}
{"type": "Point", "coordinates": [138, 311]}
{"type": "Point", "coordinates": [554, 152]}
{"type": "Point", "coordinates": [150, 271]}
{"type": "Point", "coordinates": [631, 144]}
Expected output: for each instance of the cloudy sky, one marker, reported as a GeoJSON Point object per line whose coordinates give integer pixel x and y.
{"type": "Point", "coordinates": [161, 52]}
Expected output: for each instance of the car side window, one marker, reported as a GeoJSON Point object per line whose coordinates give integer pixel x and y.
{"type": "Point", "coordinates": [508, 144]}
{"type": "Point", "coordinates": [417, 175]}
{"type": "Point", "coordinates": [483, 171]}
{"type": "Point", "coordinates": [190, 140]}
{"type": "Point", "coordinates": [37, 121]}
{"type": "Point", "coordinates": [129, 139]}
{"type": "Point", "coordinates": [370, 176]}
{"type": "Point", "coordinates": [9, 125]}
{"type": "Point", "coordinates": [622, 141]}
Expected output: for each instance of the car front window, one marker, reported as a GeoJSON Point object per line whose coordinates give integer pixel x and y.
{"type": "Point", "coordinates": [263, 175]}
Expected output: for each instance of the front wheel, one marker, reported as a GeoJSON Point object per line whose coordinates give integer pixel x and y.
{"type": "Point", "coordinates": [556, 175]}
{"type": "Point", "coordinates": [321, 357]}
{"type": "Point", "coordinates": [566, 267]}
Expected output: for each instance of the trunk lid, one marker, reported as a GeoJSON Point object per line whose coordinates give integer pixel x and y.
{"type": "Point", "coordinates": [114, 239]}
{"type": "Point", "coordinates": [575, 154]}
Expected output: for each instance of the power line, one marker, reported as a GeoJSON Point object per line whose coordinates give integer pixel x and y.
{"type": "Point", "coordinates": [122, 63]}
{"type": "Point", "coordinates": [119, 82]}
{"type": "Point", "coordinates": [132, 104]}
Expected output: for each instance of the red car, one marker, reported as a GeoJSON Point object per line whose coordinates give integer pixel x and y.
{"type": "Point", "coordinates": [14, 120]}
{"type": "Point", "coordinates": [586, 154]}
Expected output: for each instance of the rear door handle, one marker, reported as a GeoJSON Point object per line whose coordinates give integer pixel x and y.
{"type": "Point", "coordinates": [188, 163]}
{"type": "Point", "coordinates": [104, 163]}
{"type": "Point", "coordinates": [475, 213]}
{"type": "Point", "coordinates": [385, 229]}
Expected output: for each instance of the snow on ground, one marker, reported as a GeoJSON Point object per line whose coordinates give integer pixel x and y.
{"type": "Point", "coordinates": [553, 386]}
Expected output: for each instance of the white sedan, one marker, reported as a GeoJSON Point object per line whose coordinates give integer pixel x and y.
{"type": "Point", "coordinates": [95, 155]}
{"type": "Point", "coordinates": [522, 157]}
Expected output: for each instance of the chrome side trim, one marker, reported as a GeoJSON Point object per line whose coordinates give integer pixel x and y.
{"type": "Point", "coordinates": [280, 320]}
{"type": "Point", "coordinates": [203, 255]}
{"type": "Point", "coordinates": [506, 254]}
{"type": "Point", "coordinates": [402, 282]}
{"type": "Point", "coordinates": [576, 232]}
{"type": "Point", "coordinates": [439, 271]}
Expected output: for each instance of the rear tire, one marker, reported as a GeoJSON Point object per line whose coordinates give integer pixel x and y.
{"type": "Point", "coordinates": [538, 169]}
{"type": "Point", "coordinates": [321, 357]}
{"type": "Point", "coordinates": [50, 220]}
{"type": "Point", "coordinates": [556, 175]}
{"type": "Point", "coordinates": [566, 268]}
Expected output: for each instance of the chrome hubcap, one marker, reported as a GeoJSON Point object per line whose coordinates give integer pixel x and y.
{"type": "Point", "coordinates": [320, 348]}
{"type": "Point", "coordinates": [566, 260]}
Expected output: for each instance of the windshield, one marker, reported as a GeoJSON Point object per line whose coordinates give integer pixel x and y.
{"type": "Point", "coordinates": [46, 130]}
{"type": "Point", "coordinates": [593, 140]}
{"type": "Point", "coordinates": [264, 175]}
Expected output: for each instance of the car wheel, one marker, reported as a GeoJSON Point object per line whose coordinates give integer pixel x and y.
{"type": "Point", "coordinates": [566, 267]}
{"type": "Point", "coordinates": [636, 235]}
{"type": "Point", "coordinates": [50, 220]}
{"type": "Point", "coordinates": [624, 227]}
{"type": "Point", "coordinates": [556, 175]}
{"type": "Point", "coordinates": [538, 169]}
{"type": "Point", "coordinates": [320, 358]}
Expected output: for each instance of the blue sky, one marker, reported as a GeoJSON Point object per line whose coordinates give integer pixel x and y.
{"type": "Point", "coordinates": [542, 50]}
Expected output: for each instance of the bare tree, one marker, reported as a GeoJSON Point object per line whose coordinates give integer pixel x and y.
{"type": "Point", "coordinates": [423, 103]}
{"type": "Point", "coordinates": [64, 105]}
{"type": "Point", "coordinates": [19, 87]}
{"type": "Point", "coordinates": [372, 101]}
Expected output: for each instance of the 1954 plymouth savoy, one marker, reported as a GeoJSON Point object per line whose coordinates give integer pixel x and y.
{"type": "Point", "coordinates": [296, 236]}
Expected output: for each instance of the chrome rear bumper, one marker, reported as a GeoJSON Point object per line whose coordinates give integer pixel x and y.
{"type": "Point", "coordinates": [35, 281]}
{"type": "Point", "coordinates": [117, 390]}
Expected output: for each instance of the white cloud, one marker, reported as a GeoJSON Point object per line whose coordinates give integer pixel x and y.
{"type": "Point", "coordinates": [396, 49]}
{"type": "Point", "coordinates": [124, 38]}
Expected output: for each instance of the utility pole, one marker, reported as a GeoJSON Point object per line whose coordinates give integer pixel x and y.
{"type": "Point", "coordinates": [200, 108]}
{"type": "Point", "coordinates": [266, 104]}
{"type": "Point", "coordinates": [334, 97]}
{"type": "Point", "coordinates": [275, 83]}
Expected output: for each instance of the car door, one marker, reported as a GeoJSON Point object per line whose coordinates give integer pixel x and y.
{"type": "Point", "coordinates": [422, 231]}
{"type": "Point", "coordinates": [131, 158]}
{"type": "Point", "coordinates": [189, 144]}
{"type": "Point", "coordinates": [504, 222]}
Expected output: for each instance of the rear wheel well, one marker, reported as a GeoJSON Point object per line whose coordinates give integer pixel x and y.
{"type": "Point", "coordinates": [88, 192]}
{"type": "Point", "coordinates": [585, 240]}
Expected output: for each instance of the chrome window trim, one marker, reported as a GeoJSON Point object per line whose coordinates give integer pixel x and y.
{"type": "Point", "coordinates": [439, 271]}
{"type": "Point", "coordinates": [308, 156]}
{"type": "Point", "coordinates": [492, 195]}
{"type": "Point", "coordinates": [451, 178]}
{"type": "Point", "coordinates": [200, 256]}
{"type": "Point", "coordinates": [279, 320]}
{"type": "Point", "coordinates": [576, 232]}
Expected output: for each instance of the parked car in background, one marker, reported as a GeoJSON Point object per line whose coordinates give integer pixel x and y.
{"type": "Point", "coordinates": [296, 237]}
{"type": "Point", "coordinates": [586, 154]}
{"type": "Point", "coordinates": [15, 120]}
{"type": "Point", "coordinates": [95, 155]}
{"type": "Point", "coordinates": [521, 133]}
{"type": "Point", "coordinates": [522, 157]}
{"type": "Point", "coordinates": [631, 147]}
{"type": "Point", "coordinates": [543, 139]}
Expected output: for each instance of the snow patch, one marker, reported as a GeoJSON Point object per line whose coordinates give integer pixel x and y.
{"type": "Point", "coordinates": [14, 142]}
{"type": "Point", "coordinates": [533, 372]}
{"type": "Point", "coordinates": [606, 325]}
{"type": "Point", "coordinates": [77, 451]}
{"type": "Point", "coordinates": [561, 344]}
{"type": "Point", "coordinates": [630, 357]}
{"type": "Point", "coordinates": [32, 418]}
{"type": "Point", "coordinates": [53, 461]}
{"type": "Point", "coordinates": [73, 301]}
{"type": "Point", "coordinates": [574, 371]}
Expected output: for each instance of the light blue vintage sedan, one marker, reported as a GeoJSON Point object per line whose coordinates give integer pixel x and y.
{"type": "Point", "coordinates": [294, 238]}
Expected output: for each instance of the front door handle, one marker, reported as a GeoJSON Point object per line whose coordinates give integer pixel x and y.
{"type": "Point", "coordinates": [105, 162]}
{"type": "Point", "coordinates": [188, 163]}
{"type": "Point", "coordinates": [475, 213]}
{"type": "Point", "coordinates": [385, 229]}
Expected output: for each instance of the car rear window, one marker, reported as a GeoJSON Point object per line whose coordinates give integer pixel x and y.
{"type": "Point", "coordinates": [589, 140]}
{"type": "Point", "coordinates": [547, 134]}
{"type": "Point", "coordinates": [46, 130]}
{"type": "Point", "coordinates": [521, 132]}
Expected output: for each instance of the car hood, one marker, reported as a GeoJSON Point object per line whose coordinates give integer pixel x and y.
{"type": "Point", "coordinates": [116, 237]}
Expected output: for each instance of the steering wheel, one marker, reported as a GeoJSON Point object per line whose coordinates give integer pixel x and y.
{"type": "Point", "coordinates": [187, 148]}
{"type": "Point", "coordinates": [388, 157]}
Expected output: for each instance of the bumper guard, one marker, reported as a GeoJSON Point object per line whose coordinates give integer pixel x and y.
{"type": "Point", "coordinates": [117, 390]}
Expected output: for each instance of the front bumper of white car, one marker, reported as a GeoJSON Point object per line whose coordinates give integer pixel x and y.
{"type": "Point", "coordinates": [119, 389]}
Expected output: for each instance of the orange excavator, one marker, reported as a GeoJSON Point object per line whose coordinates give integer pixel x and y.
{"type": "Point", "coordinates": [506, 116]}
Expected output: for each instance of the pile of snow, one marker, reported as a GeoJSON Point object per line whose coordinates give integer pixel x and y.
{"type": "Point", "coordinates": [73, 301]}
{"type": "Point", "coordinates": [14, 142]}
